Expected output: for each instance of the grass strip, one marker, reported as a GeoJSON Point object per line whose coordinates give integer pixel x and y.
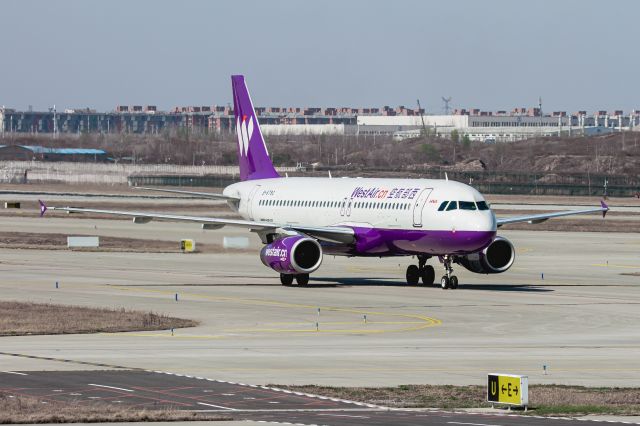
{"type": "Point", "coordinates": [551, 400]}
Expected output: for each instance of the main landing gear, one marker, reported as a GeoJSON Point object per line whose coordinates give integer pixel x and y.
{"type": "Point", "coordinates": [427, 274]}
{"type": "Point", "coordinates": [421, 271]}
{"type": "Point", "coordinates": [301, 279]}
{"type": "Point", "coordinates": [448, 280]}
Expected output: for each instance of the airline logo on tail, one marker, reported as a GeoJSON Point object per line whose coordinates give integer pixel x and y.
{"type": "Point", "coordinates": [253, 157]}
{"type": "Point", "coordinates": [245, 131]}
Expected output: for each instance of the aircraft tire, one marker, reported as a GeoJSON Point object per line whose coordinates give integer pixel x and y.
{"type": "Point", "coordinates": [428, 275]}
{"type": "Point", "coordinates": [286, 279]}
{"type": "Point", "coordinates": [453, 282]}
{"type": "Point", "coordinates": [413, 275]}
{"type": "Point", "coordinates": [444, 282]}
{"type": "Point", "coordinates": [302, 279]}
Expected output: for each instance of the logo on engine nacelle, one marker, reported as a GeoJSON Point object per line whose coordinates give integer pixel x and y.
{"type": "Point", "coordinates": [277, 252]}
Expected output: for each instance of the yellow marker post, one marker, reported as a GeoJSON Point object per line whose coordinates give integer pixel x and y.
{"type": "Point", "coordinates": [508, 389]}
{"type": "Point", "coordinates": [188, 246]}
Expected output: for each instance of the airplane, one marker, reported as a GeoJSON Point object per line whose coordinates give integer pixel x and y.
{"type": "Point", "coordinates": [301, 219]}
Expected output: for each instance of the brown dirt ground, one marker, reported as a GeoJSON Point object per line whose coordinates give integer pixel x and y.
{"type": "Point", "coordinates": [26, 409]}
{"type": "Point", "coordinates": [36, 241]}
{"type": "Point", "coordinates": [27, 318]}
{"type": "Point", "coordinates": [550, 398]}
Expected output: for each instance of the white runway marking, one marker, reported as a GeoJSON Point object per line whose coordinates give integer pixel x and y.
{"type": "Point", "coordinates": [217, 406]}
{"type": "Point", "coordinates": [14, 372]}
{"type": "Point", "coordinates": [110, 387]}
{"type": "Point", "coordinates": [470, 424]}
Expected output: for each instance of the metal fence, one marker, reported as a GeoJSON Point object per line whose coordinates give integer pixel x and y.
{"type": "Point", "coordinates": [584, 184]}
{"type": "Point", "coordinates": [216, 176]}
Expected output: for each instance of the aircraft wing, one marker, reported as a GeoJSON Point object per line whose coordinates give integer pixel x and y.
{"type": "Point", "coordinates": [539, 218]}
{"type": "Point", "coordinates": [337, 234]}
{"type": "Point", "coordinates": [192, 193]}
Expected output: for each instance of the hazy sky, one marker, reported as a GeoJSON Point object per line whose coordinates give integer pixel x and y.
{"type": "Point", "coordinates": [485, 54]}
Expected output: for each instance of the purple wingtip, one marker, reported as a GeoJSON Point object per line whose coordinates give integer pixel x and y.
{"type": "Point", "coordinates": [43, 208]}
{"type": "Point", "coordinates": [605, 208]}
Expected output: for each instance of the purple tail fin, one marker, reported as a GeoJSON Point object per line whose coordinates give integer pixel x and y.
{"type": "Point", "coordinates": [252, 152]}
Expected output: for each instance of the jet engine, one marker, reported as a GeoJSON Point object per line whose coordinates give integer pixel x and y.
{"type": "Point", "coordinates": [292, 255]}
{"type": "Point", "coordinates": [495, 259]}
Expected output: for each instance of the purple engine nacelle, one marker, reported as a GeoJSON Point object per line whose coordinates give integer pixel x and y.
{"type": "Point", "coordinates": [496, 258]}
{"type": "Point", "coordinates": [292, 255]}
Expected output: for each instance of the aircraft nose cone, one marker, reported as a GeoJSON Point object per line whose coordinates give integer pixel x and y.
{"type": "Point", "coordinates": [486, 222]}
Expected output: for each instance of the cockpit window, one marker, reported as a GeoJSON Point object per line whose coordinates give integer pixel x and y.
{"type": "Point", "coordinates": [467, 205]}
{"type": "Point", "coordinates": [482, 205]}
{"type": "Point", "coordinates": [442, 206]}
{"type": "Point", "coordinates": [452, 206]}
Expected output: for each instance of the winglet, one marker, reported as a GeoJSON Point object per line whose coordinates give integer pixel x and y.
{"type": "Point", "coordinates": [43, 208]}
{"type": "Point", "coordinates": [605, 208]}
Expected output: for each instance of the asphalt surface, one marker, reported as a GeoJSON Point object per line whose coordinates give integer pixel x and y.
{"type": "Point", "coordinates": [156, 390]}
{"type": "Point", "coordinates": [570, 303]}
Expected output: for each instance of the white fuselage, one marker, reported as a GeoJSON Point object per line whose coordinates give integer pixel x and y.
{"type": "Point", "coordinates": [410, 204]}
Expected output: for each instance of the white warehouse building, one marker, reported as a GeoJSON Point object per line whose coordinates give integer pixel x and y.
{"type": "Point", "coordinates": [498, 127]}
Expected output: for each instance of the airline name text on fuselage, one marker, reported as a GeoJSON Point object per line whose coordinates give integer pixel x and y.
{"type": "Point", "coordinates": [380, 193]}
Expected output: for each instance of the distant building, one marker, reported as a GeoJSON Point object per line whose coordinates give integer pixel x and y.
{"type": "Point", "coordinates": [517, 124]}
{"type": "Point", "coordinates": [41, 153]}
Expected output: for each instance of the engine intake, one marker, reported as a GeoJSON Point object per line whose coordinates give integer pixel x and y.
{"type": "Point", "coordinates": [495, 259]}
{"type": "Point", "coordinates": [292, 255]}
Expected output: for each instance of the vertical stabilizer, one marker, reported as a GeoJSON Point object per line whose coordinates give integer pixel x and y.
{"type": "Point", "coordinates": [253, 157]}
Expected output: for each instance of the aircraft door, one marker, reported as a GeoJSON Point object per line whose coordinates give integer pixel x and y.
{"type": "Point", "coordinates": [418, 206]}
{"type": "Point", "coordinates": [250, 201]}
{"type": "Point", "coordinates": [343, 205]}
{"type": "Point", "coordinates": [348, 209]}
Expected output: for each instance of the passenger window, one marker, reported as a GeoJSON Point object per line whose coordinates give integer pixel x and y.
{"type": "Point", "coordinates": [467, 205]}
{"type": "Point", "coordinates": [453, 205]}
{"type": "Point", "coordinates": [442, 206]}
{"type": "Point", "coordinates": [482, 205]}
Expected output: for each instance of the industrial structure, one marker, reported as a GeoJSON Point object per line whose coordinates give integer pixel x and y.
{"type": "Point", "coordinates": [401, 122]}
{"type": "Point", "coordinates": [41, 153]}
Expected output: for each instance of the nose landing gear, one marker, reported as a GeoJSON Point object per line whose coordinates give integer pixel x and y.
{"type": "Point", "coordinates": [448, 280]}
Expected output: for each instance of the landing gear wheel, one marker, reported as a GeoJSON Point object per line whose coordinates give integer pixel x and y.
{"type": "Point", "coordinates": [286, 279]}
{"type": "Point", "coordinates": [444, 282]}
{"type": "Point", "coordinates": [302, 279]}
{"type": "Point", "coordinates": [413, 275]}
{"type": "Point", "coordinates": [453, 282]}
{"type": "Point", "coordinates": [428, 275]}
